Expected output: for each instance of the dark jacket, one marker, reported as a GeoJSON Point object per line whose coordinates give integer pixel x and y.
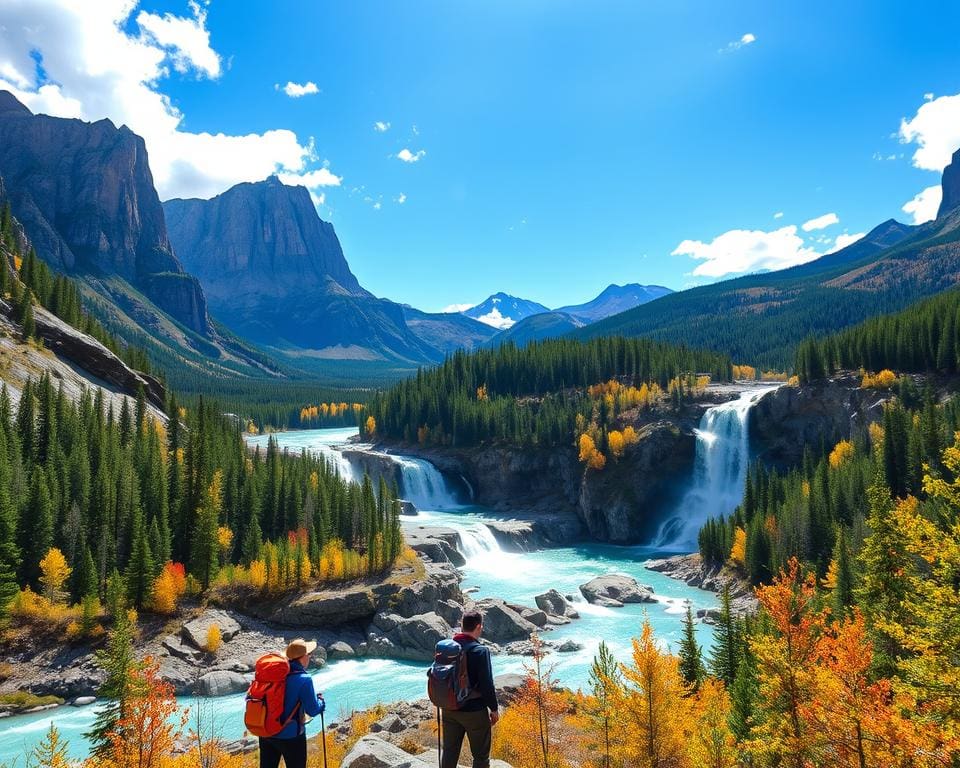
{"type": "Point", "coordinates": [299, 689]}
{"type": "Point", "coordinates": [480, 672]}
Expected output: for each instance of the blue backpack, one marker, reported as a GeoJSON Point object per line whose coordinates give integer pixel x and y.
{"type": "Point", "coordinates": [448, 684]}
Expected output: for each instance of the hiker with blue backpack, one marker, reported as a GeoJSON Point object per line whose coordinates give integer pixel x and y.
{"type": "Point", "coordinates": [279, 700]}
{"type": "Point", "coordinates": [460, 684]}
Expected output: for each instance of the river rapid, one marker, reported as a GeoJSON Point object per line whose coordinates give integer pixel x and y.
{"type": "Point", "coordinates": [722, 453]}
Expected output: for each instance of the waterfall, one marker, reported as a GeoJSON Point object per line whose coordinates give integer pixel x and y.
{"type": "Point", "coordinates": [478, 541]}
{"type": "Point", "coordinates": [720, 471]}
{"type": "Point", "coordinates": [423, 484]}
{"type": "Point", "coordinates": [337, 461]}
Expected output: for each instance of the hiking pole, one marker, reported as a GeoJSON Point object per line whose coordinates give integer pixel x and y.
{"type": "Point", "coordinates": [323, 737]}
{"type": "Point", "coordinates": [439, 748]}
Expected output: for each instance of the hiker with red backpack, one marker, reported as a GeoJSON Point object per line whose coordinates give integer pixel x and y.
{"type": "Point", "coordinates": [460, 684]}
{"type": "Point", "coordinates": [279, 700]}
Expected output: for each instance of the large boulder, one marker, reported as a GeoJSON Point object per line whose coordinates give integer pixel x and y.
{"type": "Point", "coordinates": [222, 683]}
{"type": "Point", "coordinates": [501, 623]}
{"type": "Point", "coordinates": [413, 637]}
{"type": "Point", "coordinates": [437, 543]}
{"type": "Point", "coordinates": [195, 631]}
{"type": "Point", "coordinates": [555, 604]}
{"type": "Point", "coordinates": [373, 752]}
{"type": "Point", "coordinates": [327, 609]}
{"type": "Point", "coordinates": [615, 589]}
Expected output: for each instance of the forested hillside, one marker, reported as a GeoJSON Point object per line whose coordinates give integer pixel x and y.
{"type": "Point", "coordinates": [760, 319]}
{"type": "Point", "coordinates": [532, 395]}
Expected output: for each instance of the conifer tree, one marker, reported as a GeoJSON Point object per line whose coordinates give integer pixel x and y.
{"type": "Point", "coordinates": [118, 661]}
{"type": "Point", "coordinates": [726, 654]}
{"type": "Point", "coordinates": [9, 551]}
{"type": "Point", "coordinates": [140, 568]}
{"type": "Point", "coordinates": [843, 591]}
{"type": "Point", "coordinates": [691, 657]}
{"type": "Point", "coordinates": [743, 694]}
{"type": "Point", "coordinates": [36, 527]}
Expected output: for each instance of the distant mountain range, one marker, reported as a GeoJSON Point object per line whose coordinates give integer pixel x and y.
{"type": "Point", "coordinates": [761, 318]}
{"type": "Point", "coordinates": [503, 310]}
{"type": "Point", "coordinates": [252, 283]}
{"type": "Point", "coordinates": [514, 316]}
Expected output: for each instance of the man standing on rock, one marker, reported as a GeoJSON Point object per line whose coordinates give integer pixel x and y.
{"type": "Point", "coordinates": [300, 701]}
{"type": "Point", "coordinates": [476, 716]}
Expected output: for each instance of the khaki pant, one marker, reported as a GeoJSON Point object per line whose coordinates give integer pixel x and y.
{"type": "Point", "coordinates": [476, 726]}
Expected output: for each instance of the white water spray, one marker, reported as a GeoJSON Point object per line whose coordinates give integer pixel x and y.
{"type": "Point", "coordinates": [720, 471]}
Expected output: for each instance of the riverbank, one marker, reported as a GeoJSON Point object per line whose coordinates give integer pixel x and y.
{"type": "Point", "coordinates": [691, 570]}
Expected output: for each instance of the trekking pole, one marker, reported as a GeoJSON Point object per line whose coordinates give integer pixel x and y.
{"type": "Point", "coordinates": [323, 737]}
{"type": "Point", "coordinates": [439, 748]}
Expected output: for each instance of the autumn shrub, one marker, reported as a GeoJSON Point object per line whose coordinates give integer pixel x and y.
{"type": "Point", "coordinates": [885, 379]}
{"type": "Point", "coordinates": [214, 638]}
{"type": "Point", "coordinates": [168, 588]}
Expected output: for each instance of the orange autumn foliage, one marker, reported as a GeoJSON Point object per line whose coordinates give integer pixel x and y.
{"type": "Point", "coordinates": [149, 725]}
{"type": "Point", "coordinates": [168, 588]}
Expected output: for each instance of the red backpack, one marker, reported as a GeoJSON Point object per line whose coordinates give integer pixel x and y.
{"type": "Point", "coordinates": [265, 696]}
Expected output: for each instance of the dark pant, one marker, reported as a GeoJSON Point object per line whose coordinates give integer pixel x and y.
{"type": "Point", "coordinates": [476, 726]}
{"type": "Point", "coordinates": [293, 752]}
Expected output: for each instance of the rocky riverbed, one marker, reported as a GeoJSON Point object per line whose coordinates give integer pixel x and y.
{"type": "Point", "coordinates": [691, 570]}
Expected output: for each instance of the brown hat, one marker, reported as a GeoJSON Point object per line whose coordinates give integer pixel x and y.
{"type": "Point", "coordinates": [300, 647]}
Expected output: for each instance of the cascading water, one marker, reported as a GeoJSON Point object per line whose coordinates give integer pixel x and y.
{"type": "Point", "coordinates": [720, 471]}
{"type": "Point", "coordinates": [423, 484]}
{"type": "Point", "coordinates": [477, 540]}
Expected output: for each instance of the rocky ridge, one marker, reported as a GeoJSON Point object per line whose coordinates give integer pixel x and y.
{"type": "Point", "coordinates": [85, 196]}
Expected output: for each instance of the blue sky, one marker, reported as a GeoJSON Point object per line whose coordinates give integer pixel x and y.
{"type": "Point", "coordinates": [557, 146]}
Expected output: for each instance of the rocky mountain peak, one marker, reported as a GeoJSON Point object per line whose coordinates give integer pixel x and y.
{"type": "Point", "coordinates": [84, 194]}
{"type": "Point", "coordinates": [951, 186]}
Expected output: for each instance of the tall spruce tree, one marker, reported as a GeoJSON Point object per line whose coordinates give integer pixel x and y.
{"type": "Point", "coordinates": [725, 657]}
{"type": "Point", "coordinates": [691, 657]}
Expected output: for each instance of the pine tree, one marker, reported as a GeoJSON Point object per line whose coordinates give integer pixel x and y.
{"type": "Point", "coordinates": [844, 589]}
{"type": "Point", "coordinates": [691, 657]}
{"type": "Point", "coordinates": [140, 568]}
{"type": "Point", "coordinates": [743, 694]}
{"type": "Point", "coordinates": [887, 568]}
{"type": "Point", "coordinates": [605, 684]}
{"type": "Point", "coordinates": [726, 654]}
{"type": "Point", "coordinates": [118, 661]}
{"type": "Point", "coordinates": [205, 547]}
{"type": "Point", "coordinates": [36, 527]}
{"type": "Point", "coordinates": [9, 551]}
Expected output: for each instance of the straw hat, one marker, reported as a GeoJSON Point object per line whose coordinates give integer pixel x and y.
{"type": "Point", "coordinates": [300, 647]}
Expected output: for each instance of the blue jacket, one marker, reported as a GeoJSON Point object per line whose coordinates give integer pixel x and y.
{"type": "Point", "coordinates": [299, 688]}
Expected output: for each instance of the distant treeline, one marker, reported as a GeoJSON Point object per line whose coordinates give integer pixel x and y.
{"type": "Point", "coordinates": [921, 338]}
{"type": "Point", "coordinates": [531, 394]}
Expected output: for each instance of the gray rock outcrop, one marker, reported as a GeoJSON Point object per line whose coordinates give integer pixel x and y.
{"type": "Point", "coordinates": [614, 590]}
{"type": "Point", "coordinates": [195, 631]}
{"type": "Point", "coordinates": [222, 683]}
{"type": "Point", "coordinates": [373, 752]}
{"type": "Point", "coordinates": [555, 604]}
{"type": "Point", "coordinates": [501, 623]}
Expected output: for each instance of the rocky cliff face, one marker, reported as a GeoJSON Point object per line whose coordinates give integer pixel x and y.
{"type": "Point", "coordinates": [85, 196]}
{"type": "Point", "coordinates": [262, 239]}
{"type": "Point", "coordinates": [790, 419]}
{"type": "Point", "coordinates": [275, 273]}
{"type": "Point", "coordinates": [951, 186]}
{"type": "Point", "coordinates": [623, 503]}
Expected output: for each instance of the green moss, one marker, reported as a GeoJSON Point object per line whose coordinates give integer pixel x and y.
{"type": "Point", "coordinates": [23, 700]}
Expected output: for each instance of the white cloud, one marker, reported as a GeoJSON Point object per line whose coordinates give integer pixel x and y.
{"type": "Point", "coordinates": [457, 307]}
{"type": "Point", "coordinates": [186, 40]}
{"type": "Point", "coordinates": [928, 97]}
{"type": "Point", "coordinates": [844, 240]}
{"type": "Point", "coordinates": [381, 126]}
{"type": "Point", "coordinates": [735, 45]}
{"type": "Point", "coordinates": [821, 222]}
{"type": "Point", "coordinates": [740, 250]}
{"type": "Point", "coordinates": [296, 90]}
{"type": "Point", "coordinates": [377, 205]}
{"type": "Point", "coordinates": [322, 177]}
{"type": "Point", "coordinates": [100, 64]}
{"type": "Point", "coordinates": [778, 215]}
{"type": "Point", "coordinates": [411, 157]}
{"type": "Point", "coordinates": [495, 319]}
{"type": "Point", "coordinates": [401, 198]}
{"type": "Point", "coordinates": [925, 204]}
{"type": "Point", "coordinates": [936, 131]}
